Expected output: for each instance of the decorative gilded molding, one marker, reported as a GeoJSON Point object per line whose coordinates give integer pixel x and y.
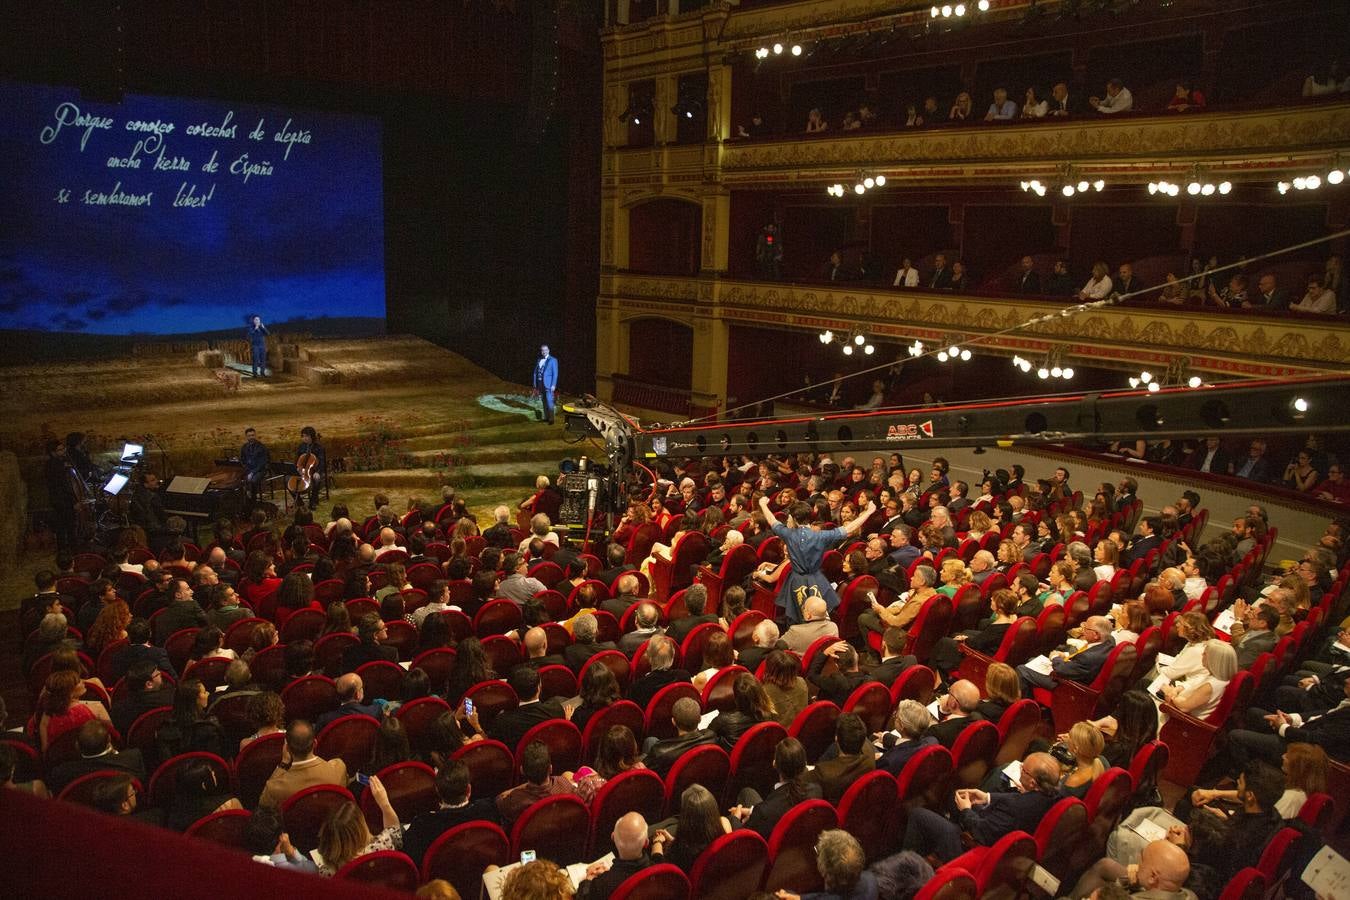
{"type": "Point", "coordinates": [1239, 345]}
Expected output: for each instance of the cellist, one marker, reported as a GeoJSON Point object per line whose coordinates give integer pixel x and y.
{"type": "Point", "coordinates": [311, 463]}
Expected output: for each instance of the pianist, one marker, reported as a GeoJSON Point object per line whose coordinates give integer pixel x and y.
{"type": "Point", "coordinates": [253, 456]}
{"type": "Point", "coordinates": [147, 511]}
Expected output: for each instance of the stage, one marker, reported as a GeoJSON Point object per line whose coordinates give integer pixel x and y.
{"type": "Point", "coordinates": [404, 415]}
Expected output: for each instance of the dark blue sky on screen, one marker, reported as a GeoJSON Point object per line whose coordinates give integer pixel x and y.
{"type": "Point", "coordinates": [169, 247]}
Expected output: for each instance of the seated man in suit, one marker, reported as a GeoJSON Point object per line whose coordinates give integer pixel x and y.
{"type": "Point", "coordinates": [902, 552]}
{"type": "Point", "coordinates": [183, 612]}
{"type": "Point", "coordinates": [647, 625]}
{"type": "Point", "coordinates": [615, 556]}
{"type": "Point", "coordinates": [661, 754]}
{"type": "Point", "coordinates": [903, 612]}
{"type": "Point", "coordinates": [765, 638]}
{"type": "Point", "coordinates": [456, 807]}
{"type": "Point", "coordinates": [894, 660]}
{"type": "Point", "coordinates": [816, 624]}
{"type": "Point", "coordinates": [987, 817]}
{"type": "Point", "coordinates": [145, 690]}
{"type": "Point", "coordinates": [1256, 635]}
{"type": "Point", "coordinates": [535, 645]}
{"type": "Point", "coordinates": [1147, 540]}
{"type": "Point", "coordinates": [911, 722]}
{"type": "Point", "coordinates": [1268, 734]}
{"type": "Point", "coordinates": [539, 782]}
{"type": "Point", "coordinates": [352, 692]}
{"type": "Point", "coordinates": [957, 710]}
{"type": "Point", "coordinates": [630, 857]}
{"type": "Point", "coordinates": [837, 687]}
{"type": "Point", "coordinates": [96, 755]}
{"type": "Point", "coordinates": [695, 601]}
{"type": "Point", "coordinates": [1082, 665]}
{"type": "Point", "coordinates": [510, 726]}
{"type": "Point", "coordinates": [139, 647]}
{"type": "Point", "coordinates": [370, 629]}
{"type": "Point", "coordinates": [584, 645]}
{"type": "Point", "coordinates": [625, 595]}
{"type": "Point", "coordinates": [850, 758]}
{"type": "Point", "coordinates": [661, 657]}
{"type": "Point", "coordinates": [300, 768]}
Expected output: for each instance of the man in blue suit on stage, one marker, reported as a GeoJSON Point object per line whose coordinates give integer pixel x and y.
{"type": "Point", "coordinates": [546, 380]}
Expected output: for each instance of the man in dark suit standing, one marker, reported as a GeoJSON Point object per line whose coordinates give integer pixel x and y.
{"type": "Point", "coordinates": [987, 817]}
{"type": "Point", "coordinates": [1082, 665]}
{"type": "Point", "coordinates": [96, 755]}
{"type": "Point", "coordinates": [660, 656]}
{"type": "Point", "coordinates": [510, 726]}
{"type": "Point", "coordinates": [545, 381]}
{"type": "Point", "coordinates": [1028, 280]}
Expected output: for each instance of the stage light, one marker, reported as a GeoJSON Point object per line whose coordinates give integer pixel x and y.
{"type": "Point", "coordinates": [1153, 187]}
{"type": "Point", "coordinates": [777, 49]}
{"type": "Point", "coordinates": [1335, 176]}
{"type": "Point", "coordinates": [869, 182]}
{"type": "Point", "coordinates": [826, 336]}
{"type": "Point", "coordinates": [1173, 190]}
{"type": "Point", "coordinates": [1194, 381]}
{"type": "Point", "coordinates": [1026, 366]}
{"type": "Point", "coordinates": [1056, 371]}
{"type": "Point", "coordinates": [1067, 190]}
{"type": "Point", "coordinates": [1225, 187]}
{"type": "Point", "coordinates": [934, 12]}
{"type": "Point", "coordinates": [953, 350]}
{"type": "Point", "coordinates": [1193, 188]}
{"type": "Point", "coordinates": [1207, 190]}
{"type": "Point", "coordinates": [946, 12]}
{"type": "Point", "coordinates": [1300, 405]}
{"type": "Point", "coordinates": [859, 188]}
{"type": "Point", "coordinates": [1068, 373]}
{"type": "Point", "coordinates": [1082, 187]}
{"type": "Point", "coordinates": [1042, 372]}
{"type": "Point", "coordinates": [1314, 182]}
{"type": "Point", "coordinates": [916, 348]}
{"type": "Point", "coordinates": [1017, 361]}
{"type": "Point", "coordinates": [942, 356]}
{"type": "Point", "coordinates": [869, 349]}
{"type": "Point", "coordinates": [1145, 377]}
{"type": "Point", "coordinates": [1282, 187]}
{"type": "Point", "coordinates": [796, 49]}
{"type": "Point", "coordinates": [984, 5]}
{"type": "Point", "coordinates": [1300, 183]}
{"type": "Point", "coordinates": [1040, 190]}
{"type": "Point", "coordinates": [859, 339]}
{"type": "Point", "coordinates": [1099, 185]}
{"type": "Point", "coordinates": [1024, 186]}
{"type": "Point", "coordinates": [965, 356]}
{"type": "Point", "coordinates": [848, 350]}
{"type": "Point", "coordinates": [1134, 382]}
{"type": "Point", "coordinates": [762, 53]}
{"type": "Point", "coordinates": [881, 181]}
{"type": "Point", "coordinates": [960, 9]}
{"type": "Point", "coordinates": [1154, 387]}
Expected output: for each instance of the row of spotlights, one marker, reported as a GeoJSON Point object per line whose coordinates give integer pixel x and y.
{"type": "Point", "coordinates": [946, 11]}
{"type": "Point", "coordinates": [827, 337]}
{"type": "Point", "coordinates": [867, 349]}
{"type": "Point", "coordinates": [1044, 372]}
{"type": "Point", "coordinates": [778, 49]}
{"type": "Point", "coordinates": [1152, 385]}
{"type": "Point", "coordinates": [1034, 186]}
{"type": "Point", "coordinates": [1312, 182]}
{"type": "Point", "coordinates": [860, 188]}
{"type": "Point", "coordinates": [953, 353]}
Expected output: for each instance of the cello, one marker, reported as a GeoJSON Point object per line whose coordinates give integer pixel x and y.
{"type": "Point", "coordinates": [303, 479]}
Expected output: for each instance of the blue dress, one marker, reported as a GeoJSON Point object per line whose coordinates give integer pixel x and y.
{"type": "Point", "coordinates": [806, 550]}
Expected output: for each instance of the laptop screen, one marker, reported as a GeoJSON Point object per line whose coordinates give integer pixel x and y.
{"type": "Point", "coordinates": [115, 484]}
{"type": "Point", "coordinates": [132, 452]}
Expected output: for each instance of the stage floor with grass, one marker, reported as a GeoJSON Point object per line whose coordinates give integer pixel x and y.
{"type": "Point", "coordinates": [406, 417]}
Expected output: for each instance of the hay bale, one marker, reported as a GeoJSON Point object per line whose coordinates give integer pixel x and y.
{"type": "Point", "coordinates": [321, 374]}
{"type": "Point", "coordinates": [211, 359]}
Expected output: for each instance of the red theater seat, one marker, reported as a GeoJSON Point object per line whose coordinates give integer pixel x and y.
{"type": "Point", "coordinates": [462, 853]}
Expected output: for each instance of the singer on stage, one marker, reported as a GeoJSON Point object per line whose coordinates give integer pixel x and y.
{"type": "Point", "coordinates": [546, 381]}
{"type": "Point", "coordinates": [257, 338]}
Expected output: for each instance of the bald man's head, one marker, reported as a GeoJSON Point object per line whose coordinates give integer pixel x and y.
{"type": "Point", "coordinates": [630, 836]}
{"type": "Point", "coordinates": [349, 687]}
{"type": "Point", "coordinates": [815, 608]}
{"type": "Point", "coordinates": [966, 695]}
{"type": "Point", "coordinates": [536, 642]}
{"type": "Point", "coordinates": [1040, 773]}
{"type": "Point", "coordinates": [1163, 866]}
